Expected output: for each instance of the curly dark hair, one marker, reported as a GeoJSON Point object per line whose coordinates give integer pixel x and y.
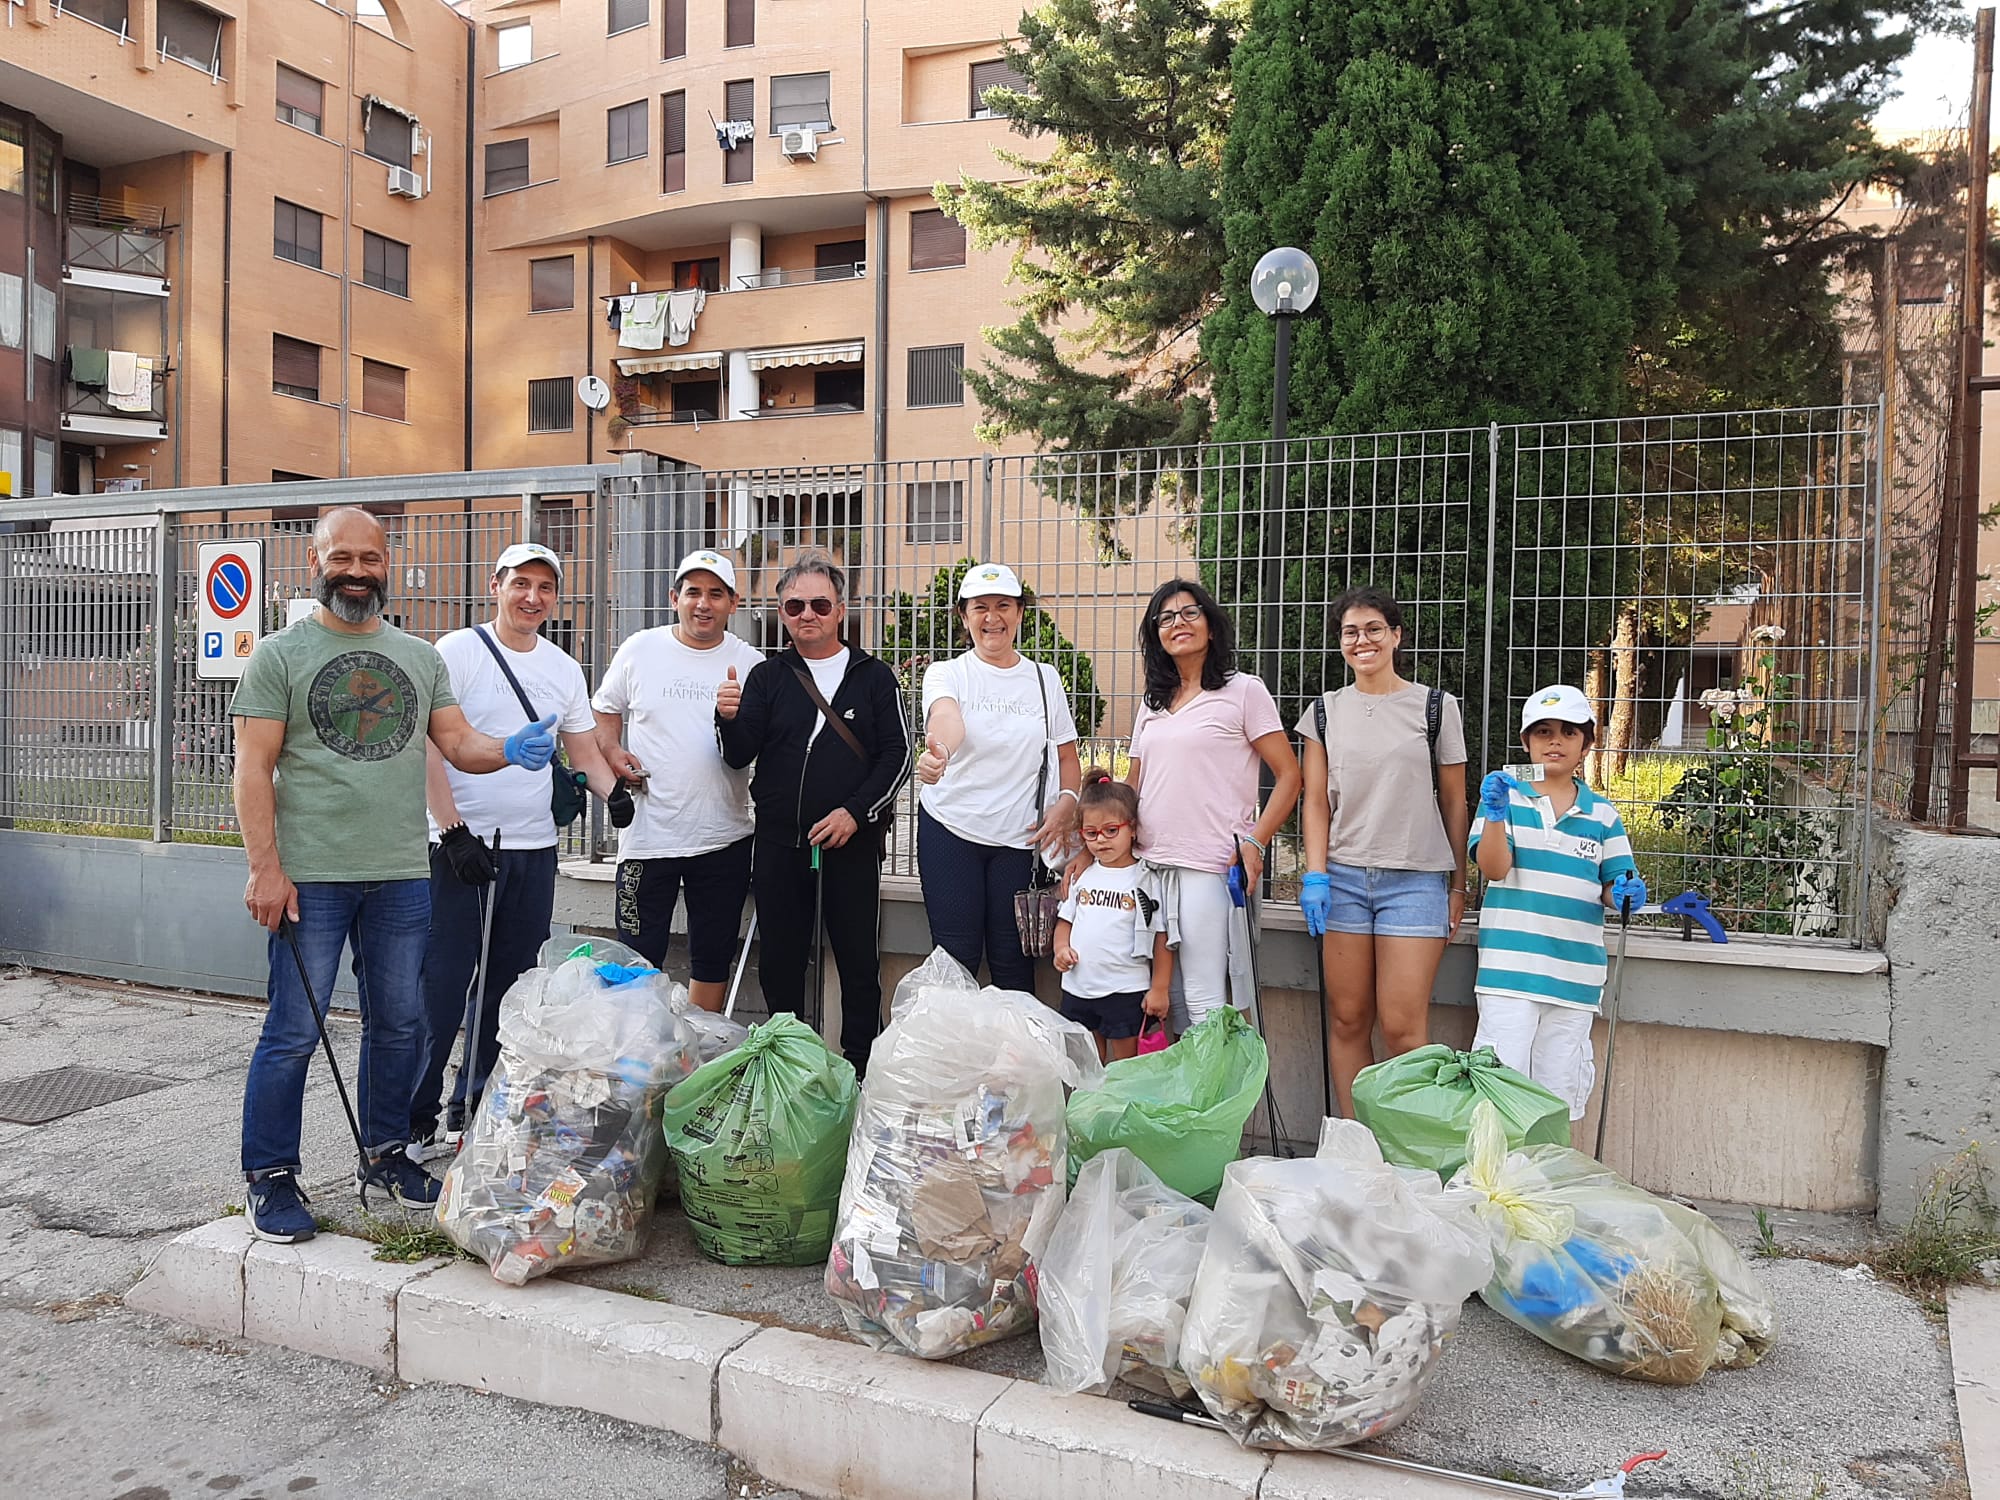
{"type": "Point", "coordinates": [1163, 678]}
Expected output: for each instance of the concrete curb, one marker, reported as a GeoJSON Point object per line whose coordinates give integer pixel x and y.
{"type": "Point", "coordinates": [1973, 1324]}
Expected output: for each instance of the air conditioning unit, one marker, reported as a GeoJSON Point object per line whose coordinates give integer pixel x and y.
{"type": "Point", "coordinates": [403, 183]}
{"type": "Point", "coordinates": [799, 145]}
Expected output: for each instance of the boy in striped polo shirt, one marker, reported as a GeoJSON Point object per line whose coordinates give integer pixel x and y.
{"type": "Point", "coordinates": [1555, 855]}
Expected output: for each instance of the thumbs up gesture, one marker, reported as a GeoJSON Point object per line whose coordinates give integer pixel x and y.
{"type": "Point", "coordinates": [532, 746]}
{"type": "Point", "coordinates": [931, 764]}
{"type": "Point", "coordinates": [728, 697]}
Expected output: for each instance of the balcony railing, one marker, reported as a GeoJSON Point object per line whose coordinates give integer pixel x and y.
{"type": "Point", "coordinates": [653, 416]}
{"type": "Point", "coordinates": [105, 235]}
{"type": "Point", "coordinates": [802, 276]}
{"type": "Point", "coordinates": [821, 409]}
{"type": "Point", "coordinates": [83, 401]}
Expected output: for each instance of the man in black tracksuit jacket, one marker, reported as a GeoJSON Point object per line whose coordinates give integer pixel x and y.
{"type": "Point", "coordinates": [812, 788]}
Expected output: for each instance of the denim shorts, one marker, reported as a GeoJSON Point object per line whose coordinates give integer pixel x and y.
{"type": "Point", "coordinates": [1390, 903]}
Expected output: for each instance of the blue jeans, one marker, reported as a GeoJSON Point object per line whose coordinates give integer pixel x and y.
{"type": "Point", "coordinates": [524, 897]}
{"type": "Point", "coordinates": [385, 923]}
{"type": "Point", "coordinates": [969, 897]}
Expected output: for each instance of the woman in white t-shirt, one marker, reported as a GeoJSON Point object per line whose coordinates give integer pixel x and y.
{"type": "Point", "coordinates": [1385, 821]}
{"type": "Point", "coordinates": [1197, 745]}
{"type": "Point", "coordinates": [992, 719]}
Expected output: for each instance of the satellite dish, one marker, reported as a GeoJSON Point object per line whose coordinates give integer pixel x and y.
{"type": "Point", "coordinates": [593, 393]}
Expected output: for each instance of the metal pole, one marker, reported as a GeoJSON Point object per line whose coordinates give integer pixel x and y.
{"type": "Point", "coordinates": [986, 507]}
{"type": "Point", "coordinates": [166, 635]}
{"type": "Point", "coordinates": [1972, 400]}
{"type": "Point", "coordinates": [1492, 523]}
{"type": "Point", "coordinates": [1281, 395]}
{"type": "Point", "coordinates": [1872, 708]}
{"type": "Point", "coordinates": [1270, 536]}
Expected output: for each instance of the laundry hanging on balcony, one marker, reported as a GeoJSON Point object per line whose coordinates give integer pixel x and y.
{"type": "Point", "coordinates": [683, 307]}
{"type": "Point", "coordinates": [729, 134]}
{"type": "Point", "coordinates": [88, 368]}
{"type": "Point", "coordinates": [642, 322]}
{"type": "Point", "coordinates": [128, 384]}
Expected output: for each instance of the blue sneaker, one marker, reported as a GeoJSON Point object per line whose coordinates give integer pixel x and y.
{"type": "Point", "coordinates": [276, 1208]}
{"type": "Point", "coordinates": [403, 1180]}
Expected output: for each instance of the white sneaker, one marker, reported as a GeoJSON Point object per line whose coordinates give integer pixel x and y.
{"type": "Point", "coordinates": [440, 1142]}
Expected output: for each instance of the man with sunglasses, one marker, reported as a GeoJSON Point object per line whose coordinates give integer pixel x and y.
{"type": "Point", "coordinates": [824, 723]}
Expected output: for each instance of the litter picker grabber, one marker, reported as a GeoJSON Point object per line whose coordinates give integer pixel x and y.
{"type": "Point", "coordinates": [1611, 1022]}
{"type": "Point", "coordinates": [1325, 1034]}
{"type": "Point", "coordinates": [1250, 904]}
{"type": "Point", "coordinates": [371, 1172]}
{"type": "Point", "coordinates": [470, 1064]}
{"type": "Point", "coordinates": [742, 963]}
{"type": "Point", "coordinates": [1610, 1487]}
{"type": "Point", "coordinates": [818, 1017]}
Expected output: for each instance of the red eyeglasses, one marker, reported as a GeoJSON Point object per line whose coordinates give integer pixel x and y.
{"type": "Point", "coordinates": [1105, 831]}
{"type": "Point", "coordinates": [819, 603]}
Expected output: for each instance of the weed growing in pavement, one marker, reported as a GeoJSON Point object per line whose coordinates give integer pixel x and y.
{"type": "Point", "coordinates": [1955, 1226]}
{"type": "Point", "coordinates": [1767, 1247]}
{"type": "Point", "coordinates": [1754, 1477]}
{"type": "Point", "coordinates": [232, 1210]}
{"type": "Point", "coordinates": [409, 1241]}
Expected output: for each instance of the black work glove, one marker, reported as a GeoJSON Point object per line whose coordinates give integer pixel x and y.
{"type": "Point", "coordinates": [471, 861]}
{"type": "Point", "coordinates": [619, 804]}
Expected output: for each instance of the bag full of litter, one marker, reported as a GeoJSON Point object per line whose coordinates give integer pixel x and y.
{"type": "Point", "coordinates": [1420, 1105]}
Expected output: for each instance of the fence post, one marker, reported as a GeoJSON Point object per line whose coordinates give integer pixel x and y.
{"type": "Point", "coordinates": [604, 518]}
{"type": "Point", "coordinates": [13, 620]}
{"type": "Point", "coordinates": [1492, 525]}
{"type": "Point", "coordinates": [1872, 602]}
{"type": "Point", "coordinates": [986, 507]}
{"type": "Point", "coordinates": [166, 638]}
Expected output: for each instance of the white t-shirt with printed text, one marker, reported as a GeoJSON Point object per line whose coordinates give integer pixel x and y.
{"type": "Point", "coordinates": [987, 793]}
{"type": "Point", "coordinates": [693, 803]}
{"type": "Point", "coordinates": [511, 799]}
{"type": "Point", "coordinates": [1106, 914]}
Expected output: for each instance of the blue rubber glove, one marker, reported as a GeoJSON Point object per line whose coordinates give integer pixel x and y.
{"type": "Point", "coordinates": [1316, 901]}
{"type": "Point", "coordinates": [1493, 795]}
{"type": "Point", "coordinates": [532, 746]}
{"type": "Point", "coordinates": [1628, 887]}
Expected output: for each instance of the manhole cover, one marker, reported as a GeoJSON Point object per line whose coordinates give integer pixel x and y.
{"type": "Point", "coordinates": [41, 1097]}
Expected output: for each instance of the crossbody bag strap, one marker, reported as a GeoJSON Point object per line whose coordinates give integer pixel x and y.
{"type": "Point", "coordinates": [1042, 776]}
{"type": "Point", "coordinates": [852, 740]}
{"type": "Point", "coordinates": [1433, 724]}
{"type": "Point", "coordinates": [501, 661]}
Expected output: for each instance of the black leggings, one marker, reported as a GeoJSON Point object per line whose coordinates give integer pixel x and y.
{"type": "Point", "coordinates": [969, 897]}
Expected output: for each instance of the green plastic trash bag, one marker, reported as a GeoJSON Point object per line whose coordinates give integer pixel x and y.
{"type": "Point", "coordinates": [1420, 1106]}
{"type": "Point", "coordinates": [1181, 1111]}
{"type": "Point", "coordinates": [759, 1139]}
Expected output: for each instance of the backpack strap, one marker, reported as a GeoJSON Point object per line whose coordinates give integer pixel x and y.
{"type": "Point", "coordinates": [1319, 718]}
{"type": "Point", "coordinates": [1433, 724]}
{"type": "Point", "coordinates": [507, 671]}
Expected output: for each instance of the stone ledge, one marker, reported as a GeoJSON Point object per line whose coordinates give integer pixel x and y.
{"type": "Point", "coordinates": [1034, 1441]}
{"type": "Point", "coordinates": [328, 1296]}
{"type": "Point", "coordinates": [197, 1277]}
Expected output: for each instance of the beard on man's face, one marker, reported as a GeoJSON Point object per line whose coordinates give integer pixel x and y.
{"type": "Point", "coordinates": [355, 611]}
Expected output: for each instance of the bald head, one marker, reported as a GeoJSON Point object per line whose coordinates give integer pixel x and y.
{"type": "Point", "coordinates": [350, 552]}
{"type": "Point", "coordinates": [340, 523]}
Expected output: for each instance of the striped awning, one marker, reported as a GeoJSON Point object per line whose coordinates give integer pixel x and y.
{"type": "Point", "coordinates": [845, 353]}
{"type": "Point", "coordinates": [654, 364]}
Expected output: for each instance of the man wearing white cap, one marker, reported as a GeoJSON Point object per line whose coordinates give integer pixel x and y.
{"type": "Point", "coordinates": [499, 671]}
{"type": "Point", "coordinates": [692, 829]}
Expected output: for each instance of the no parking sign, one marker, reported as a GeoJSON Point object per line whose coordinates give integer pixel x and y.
{"type": "Point", "coordinates": [229, 610]}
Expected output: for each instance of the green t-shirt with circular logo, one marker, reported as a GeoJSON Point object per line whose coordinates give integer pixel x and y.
{"type": "Point", "coordinates": [350, 782]}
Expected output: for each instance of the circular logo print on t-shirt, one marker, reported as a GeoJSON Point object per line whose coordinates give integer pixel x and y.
{"type": "Point", "coordinates": [363, 706]}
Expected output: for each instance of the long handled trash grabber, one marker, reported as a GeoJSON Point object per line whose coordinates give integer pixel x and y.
{"type": "Point", "coordinates": [819, 940]}
{"type": "Point", "coordinates": [1249, 903]}
{"type": "Point", "coordinates": [470, 1065]}
{"type": "Point", "coordinates": [1325, 1032]}
{"type": "Point", "coordinates": [1608, 1488]}
{"type": "Point", "coordinates": [742, 963]}
{"type": "Point", "coordinates": [1611, 1022]}
{"type": "Point", "coordinates": [371, 1172]}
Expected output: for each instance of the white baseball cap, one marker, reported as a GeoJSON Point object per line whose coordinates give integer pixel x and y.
{"type": "Point", "coordinates": [704, 560]}
{"type": "Point", "coordinates": [1557, 701]}
{"type": "Point", "coordinates": [527, 552]}
{"type": "Point", "coordinates": [982, 579]}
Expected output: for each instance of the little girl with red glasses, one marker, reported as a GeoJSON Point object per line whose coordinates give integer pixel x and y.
{"type": "Point", "coordinates": [1111, 940]}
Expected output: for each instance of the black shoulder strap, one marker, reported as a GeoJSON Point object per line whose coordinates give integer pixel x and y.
{"type": "Point", "coordinates": [852, 740]}
{"type": "Point", "coordinates": [512, 681]}
{"type": "Point", "coordinates": [1433, 723]}
{"type": "Point", "coordinates": [1319, 718]}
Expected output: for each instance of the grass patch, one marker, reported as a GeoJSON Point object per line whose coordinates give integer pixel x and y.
{"type": "Point", "coordinates": [1956, 1225]}
{"type": "Point", "coordinates": [1754, 1477]}
{"type": "Point", "coordinates": [1767, 1247]}
{"type": "Point", "coordinates": [410, 1241]}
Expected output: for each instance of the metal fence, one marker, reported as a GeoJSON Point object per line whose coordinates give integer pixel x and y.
{"type": "Point", "coordinates": [1713, 582]}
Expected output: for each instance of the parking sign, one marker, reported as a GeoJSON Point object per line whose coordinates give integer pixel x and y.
{"type": "Point", "coordinates": [229, 607]}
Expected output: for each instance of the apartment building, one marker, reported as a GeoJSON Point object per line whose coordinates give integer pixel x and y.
{"type": "Point", "coordinates": [233, 241]}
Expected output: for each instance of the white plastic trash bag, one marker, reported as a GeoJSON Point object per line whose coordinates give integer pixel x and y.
{"type": "Point", "coordinates": [561, 1160]}
{"type": "Point", "coordinates": [1327, 1292]}
{"type": "Point", "coordinates": [956, 1168]}
{"type": "Point", "coordinates": [1116, 1276]}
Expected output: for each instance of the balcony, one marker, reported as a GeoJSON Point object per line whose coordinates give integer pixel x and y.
{"type": "Point", "coordinates": [117, 246]}
{"type": "Point", "coordinates": [776, 276]}
{"type": "Point", "coordinates": [89, 414]}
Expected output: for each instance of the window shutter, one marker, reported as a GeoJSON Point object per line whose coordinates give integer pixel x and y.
{"type": "Point", "coordinates": [676, 43]}
{"type": "Point", "coordinates": [506, 166]}
{"type": "Point", "coordinates": [295, 363]}
{"type": "Point", "coordinates": [740, 24]}
{"type": "Point", "coordinates": [935, 511]}
{"type": "Point", "coordinates": [552, 284]}
{"type": "Point", "coordinates": [740, 103]}
{"type": "Point", "coordinates": [623, 15]}
{"type": "Point", "coordinates": [937, 376]}
{"type": "Point", "coordinates": [300, 99]}
{"type": "Point", "coordinates": [801, 100]}
{"type": "Point", "coordinates": [673, 142]}
{"type": "Point", "coordinates": [552, 404]}
{"type": "Point", "coordinates": [625, 132]}
{"type": "Point", "coordinates": [387, 135]}
{"type": "Point", "coordinates": [382, 389]}
{"type": "Point", "coordinates": [997, 74]}
{"type": "Point", "coordinates": [936, 240]}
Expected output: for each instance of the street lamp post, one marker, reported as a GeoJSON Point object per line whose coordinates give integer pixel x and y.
{"type": "Point", "coordinates": [1283, 285]}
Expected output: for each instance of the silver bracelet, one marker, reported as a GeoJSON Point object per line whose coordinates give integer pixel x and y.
{"type": "Point", "coordinates": [1263, 850]}
{"type": "Point", "coordinates": [1068, 791]}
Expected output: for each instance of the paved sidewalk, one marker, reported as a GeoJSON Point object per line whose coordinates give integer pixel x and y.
{"type": "Point", "coordinates": [1854, 1404]}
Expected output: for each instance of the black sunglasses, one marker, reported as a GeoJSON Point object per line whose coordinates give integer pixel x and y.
{"type": "Point", "coordinates": [821, 605]}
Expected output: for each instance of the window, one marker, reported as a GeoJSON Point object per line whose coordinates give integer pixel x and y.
{"type": "Point", "coordinates": [386, 134]}
{"type": "Point", "coordinates": [552, 404]}
{"type": "Point", "coordinates": [112, 15]}
{"type": "Point", "coordinates": [552, 284]}
{"type": "Point", "coordinates": [623, 15]}
{"type": "Point", "coordinates": [513, 46]}
{"type": "Point", "coordinates": [739, 105]}
{"type": "Point", "coordinates": [45, 466]}
{"type": "Point", "coordinates": [800, 101]}
{"type": "Point", "coordinates": [739, 26]}
{"type": "Point", "coordinates": [936, 240]}
{"type": "Point", "coordinates": [675, 42]}
{"type": "Point", "coordinates": [382, 388]}
{"type": "Point", "coordinates": [838, 388]}
{"type": "Point", "coordinates": [301, 100]}
{"type": "Point", "coordinates": [291, 476]}
{"type": "Point", "coordinates": [696, 400]}
{"type": "Point", "coordinates": [937, 376]}
{"type": "Point", "coordinates": [705, 273]}
{"type": "Point", "coordinates": [673, 142]}
{"type": "Point", "coordinates": [42, 321]}
{"type": "Point", "coordinates": [295, 233]}
{"type": "Point", "coordinates": [836, 260]}
{"type": "Point", "coordinates": [556, 526]}
{"type": "Point", "coordinates": [10, 459]}
{"type": "Point", "coordinates": [936, 510]}
{"type": "Point", "coordinates": [191, 34]}
{"type": "Point", "coordinates": [47, 165]}
{"type": "Point", "coordinates": [13, 312]}
{"type": "Point", "coordinates": [294, 367]}
{"type": "Point", "coordinates": [998, 74]}
{"type": "Point", "coordinates": [625, 132]}
{"type": "Point", "coordinates": [13, 157]}
{"type": "Point", "coordinates": [506, 166]}
{"type": "Point", "coordinates": [385, 264]}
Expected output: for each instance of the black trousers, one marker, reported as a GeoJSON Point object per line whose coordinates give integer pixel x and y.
{"type": "Point", "coordinates": [849, 889]}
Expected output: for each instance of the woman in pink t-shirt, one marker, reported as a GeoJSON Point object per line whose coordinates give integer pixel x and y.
{"type": "Point", "coordinates": [1196, 747]}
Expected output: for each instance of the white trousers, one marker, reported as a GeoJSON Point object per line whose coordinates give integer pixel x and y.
{"type": "Point", "coordinates": [1201, 963]}
{"type": "Point", "coordinates": [1549, 1043]}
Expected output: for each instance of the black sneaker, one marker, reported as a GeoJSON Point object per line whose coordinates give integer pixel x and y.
{"type": "Point", "coordinates": [398, 1176]}
{"type": "Point", "coordinates": [276, 1209]}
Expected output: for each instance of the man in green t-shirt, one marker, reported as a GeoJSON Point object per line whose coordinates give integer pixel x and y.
{"type": "Point", "coordinates": [331, 718]}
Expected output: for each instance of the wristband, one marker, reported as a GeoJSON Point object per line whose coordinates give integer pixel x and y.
{"type": "Point", "coordinates": [1070, 792]}
{"type": "Point", "coordinates": [1263, 850]}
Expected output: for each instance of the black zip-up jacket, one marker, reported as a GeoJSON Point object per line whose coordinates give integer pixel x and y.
{"type": "Point", "coordinates": [799, 779]}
